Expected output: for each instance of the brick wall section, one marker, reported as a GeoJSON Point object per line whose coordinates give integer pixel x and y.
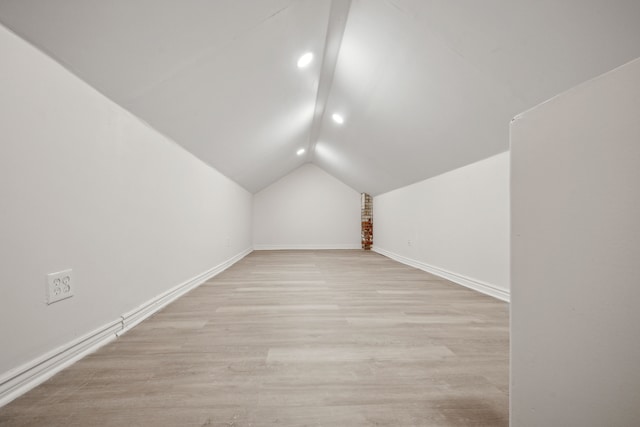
{"type": "Point", "coordinates": [366, 217]}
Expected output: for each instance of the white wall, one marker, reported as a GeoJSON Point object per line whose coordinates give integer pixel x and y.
{"type": "Point", "coordinates": [455, 225]}
{"type": "Point", "coordinates": [85, 185]}
{"type": "Point", "coordinates": [576, 256]}
{"type": "Point", "coordinates": [306, 209]}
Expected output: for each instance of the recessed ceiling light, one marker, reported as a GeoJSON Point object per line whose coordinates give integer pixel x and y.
{"type": "Point", "coordinates": [300, 152]}
{"type": "Point", "coordinates": [305, 60]}
{"type": "Point", "coordinates": [337, 118]}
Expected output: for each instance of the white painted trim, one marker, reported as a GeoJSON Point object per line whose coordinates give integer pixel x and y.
{"type": "Point", "coordinates": [20, 380]}
{"type": "Point", "coordinates": [23, 378]}
{"type": "Point", "coordinates": [140, 313]}
{"type": "Point", "coordinates": [305, 247]}
{"type": "Point", "coordinates": [465, 281]}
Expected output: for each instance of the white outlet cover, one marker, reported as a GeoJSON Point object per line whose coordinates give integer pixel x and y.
{"type": "Point", "coordinates": [60, 286]}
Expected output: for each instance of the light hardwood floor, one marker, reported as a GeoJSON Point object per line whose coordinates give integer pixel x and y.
{"type": "Point", "coordinates": [295, 338]}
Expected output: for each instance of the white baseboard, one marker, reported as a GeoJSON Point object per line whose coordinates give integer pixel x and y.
{"type": "Point", "coordinates": [137, 315]}
{"type": "Point", "coordinates": [465, 281]}
{"type": "Point", "coordinates": [20, 380]}
{"type": "Point", "coordinates": [23, 378]}
{"type": "Point", "coordinates": [306, 247]}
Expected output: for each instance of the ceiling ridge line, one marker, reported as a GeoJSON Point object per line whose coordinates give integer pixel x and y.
{"type": "Point", "coordinates": [333, 41]}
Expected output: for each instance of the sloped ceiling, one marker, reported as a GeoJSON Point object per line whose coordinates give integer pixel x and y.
{"type": "Point", "coordinates": [424, 86]}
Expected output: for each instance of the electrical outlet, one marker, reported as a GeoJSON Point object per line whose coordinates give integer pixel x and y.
{"type": "Point", "coordinates": [60, 286]}
{"type": "Point", "coordinates": [408, 242]}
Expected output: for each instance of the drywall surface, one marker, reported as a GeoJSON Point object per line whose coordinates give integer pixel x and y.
{"type": "Point", "coordinates": [85, 185]}
{"type": "Point", "coordinates": [306, 209]}
{"type": "Point", "coordinates": [575, 164]}
{"type": "Point", "coordinates": [455, 225]}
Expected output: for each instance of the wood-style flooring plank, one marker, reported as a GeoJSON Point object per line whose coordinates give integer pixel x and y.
{"type": "Point", "coordinates": [295, 338]}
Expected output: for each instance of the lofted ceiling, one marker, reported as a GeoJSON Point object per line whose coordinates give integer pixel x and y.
{"type": "Point", "coordinates": [424, 86]}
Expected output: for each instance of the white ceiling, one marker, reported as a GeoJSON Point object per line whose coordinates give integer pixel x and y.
{"type": "Point", "coordinates": [424, 86]}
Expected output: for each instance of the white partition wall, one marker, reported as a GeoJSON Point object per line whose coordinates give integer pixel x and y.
{"type": "Point", "coordinates": [455, 225]}
{"type": "Point", "coordinates": [575, 164]}
{"type": "Point", "coordinates": [307, 209]}
{"type": "Point", "coordinates": [85, 185]}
